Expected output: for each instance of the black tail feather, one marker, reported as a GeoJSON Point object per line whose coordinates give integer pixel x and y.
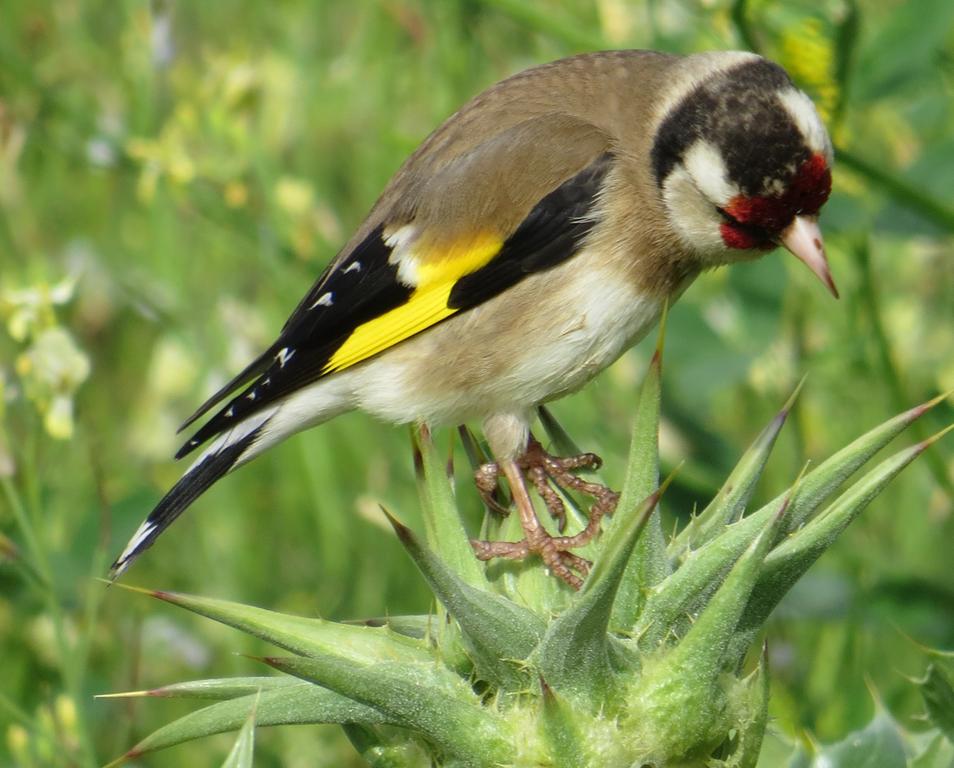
{"type": "Point", "coordinates": [190, 486]}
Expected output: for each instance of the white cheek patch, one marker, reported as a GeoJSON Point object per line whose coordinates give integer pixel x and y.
{"type": "Point", "coordinates": [707, 169]}
{"type": "Point", "coordinates": [805, 116]}
{"type": "Point", "coordinates": [400, 241]}
{"type": "Point", "coordinates": [693, 216]}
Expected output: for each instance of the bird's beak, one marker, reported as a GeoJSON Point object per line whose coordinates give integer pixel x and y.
{"type": "Point", "coordinates": [803, 239]}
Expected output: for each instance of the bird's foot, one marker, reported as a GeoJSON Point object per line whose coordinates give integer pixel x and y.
{"type": "Point", "coordinates": [568, 566]}
{"type": "Point", "coordinates": [542, 468]}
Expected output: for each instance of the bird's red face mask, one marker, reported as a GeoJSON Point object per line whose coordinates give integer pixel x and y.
{"type": "Point", "coordinates": [790, 219]}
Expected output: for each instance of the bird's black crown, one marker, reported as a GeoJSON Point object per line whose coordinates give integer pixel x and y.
{"type": "Point", "coordinates": [739, 112]}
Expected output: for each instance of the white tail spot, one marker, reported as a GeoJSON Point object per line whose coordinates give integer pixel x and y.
{"type": "Point", "coordinates": [138, 538]}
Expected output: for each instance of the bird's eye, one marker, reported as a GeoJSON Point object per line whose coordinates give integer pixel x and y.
{"type": "Point", "coordinates": [744, 235]}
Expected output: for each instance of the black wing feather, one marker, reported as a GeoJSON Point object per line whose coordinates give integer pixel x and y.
{"type": "Point", "coordinates": [252, 370]}
{"type": "Point", "coordinates": [363, 286]}
{"type": "Point", "coordinates": [551, 233]}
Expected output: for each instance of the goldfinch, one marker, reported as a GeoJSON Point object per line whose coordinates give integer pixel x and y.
{"type": "Point", "coordinates": [523, 247]}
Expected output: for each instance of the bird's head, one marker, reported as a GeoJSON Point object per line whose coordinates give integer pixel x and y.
{"type": "Point", "coordinates": [743, 164]}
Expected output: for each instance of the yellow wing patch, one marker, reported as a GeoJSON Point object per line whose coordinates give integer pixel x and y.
{"type": "Point", "coordinates": [436, 275]}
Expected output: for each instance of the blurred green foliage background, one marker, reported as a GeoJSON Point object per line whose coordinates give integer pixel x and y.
{"type": "Point", "coordinates": [174, 175]}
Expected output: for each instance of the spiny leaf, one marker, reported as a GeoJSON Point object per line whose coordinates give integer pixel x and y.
{"type": "Point", "coordinates": [687, 588]}
{"type": "Point", "coordinates": [574, 656]}
{"type": "Point", "coordinates": [442, 525]}
{"type": "Point", "coordinates": [387, 746]}
{"type": "Point", "coordinates": [423, 697]}
{"type": "Point", "coordinates": [649, 563]}
{"type": "Point", "coordinates": [704, 644]}
{"type": "Point", "coordinates": [729, 504]}
{"type": "Point", "coordinates": [792, 557]}
{"type": "Point", "coordinates": [418, 626]}
{"type": "Point", "coordinates": [220, 689]}
{"type": "Point", "coordinates": [500, 633]}
{"type": "Point", "coordinates": [297, 704]}
{"type": "Point", "coordinates": [685, 684]}
{"type": "Point", "coordinates": [670, 605]}
{"type": "Point", "coordinates": [562, 730]}
{"type": "Point", "coordinates": [670, 608]}
{"type": "Point", "coordinates": [938, 697]}
{"type": "Point", "coordinates": [825, 479]}
{"type": "Point", "coordinates": [244, 748]}
{"type": "Point", "coordinates": [304, 635]}
{"type": "Point", "coordinates": [752, 730]}
{"type": "Point", "coordinates": [642, 467]}
{"type": "Point", "coordinates": [878, 745]}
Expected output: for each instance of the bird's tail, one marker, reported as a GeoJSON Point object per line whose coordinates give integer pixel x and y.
{"type": "Point", "coordinates": [235, 445]}
{"type": "Point", "coordinates": [229, 450]}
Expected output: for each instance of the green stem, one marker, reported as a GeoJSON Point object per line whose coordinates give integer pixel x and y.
{"type": "Point", "coordinates": [94, 592]}
{"type": "Point", "coordinates": [38, 565]}
{"type": "Point", "coordinates": [16, 713]}
{"type": "Point", "coordinates": [740, 19]}
{"type": "Point", "coordinates": [70, 664]}
{"type": "Point", "coordinates": [872, 303]}
{"type": "Point", "coordinates": [902, 191]}
{"type": "Point", "coordinates": [846, 38]}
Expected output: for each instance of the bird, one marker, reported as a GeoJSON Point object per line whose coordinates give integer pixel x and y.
{"type": "Point", "coordinates": [528, 242]}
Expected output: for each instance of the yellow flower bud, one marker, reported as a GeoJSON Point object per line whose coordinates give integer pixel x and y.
{"type": "Point", "coordinates": [294, 196]}
{"type": "Point", "coordinates": [235, 194]}
{"type": "Point", "coordinates": [18, 740]}
{"type": "Point", "coordinates": [65, 710]}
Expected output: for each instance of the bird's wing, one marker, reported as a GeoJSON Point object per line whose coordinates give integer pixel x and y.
{"type": "Point", "coordinates": [455, 234]}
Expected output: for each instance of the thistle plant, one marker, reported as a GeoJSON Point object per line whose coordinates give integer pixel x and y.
{"type": "Point", "coordinates": [654, 662]}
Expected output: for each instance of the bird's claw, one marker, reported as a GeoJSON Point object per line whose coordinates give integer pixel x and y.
{"type": "Point", "coordinates": [542, 469]}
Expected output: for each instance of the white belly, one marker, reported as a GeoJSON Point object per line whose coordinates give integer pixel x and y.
{"type": "Point", "coordinates": [543, 338]}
